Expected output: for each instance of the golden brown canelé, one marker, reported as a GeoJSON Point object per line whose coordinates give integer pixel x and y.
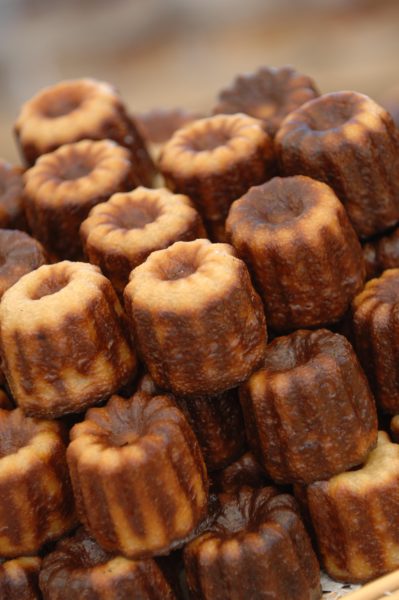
{"type": "Point", "coordinates": [245, 471]}
{"type": "Point", "coordinates": [257, 548]}
{"type": "Point", "coordinates": [80, 565]}
{"type": "Point", "coordinates": [268, 94]}
{"type": "Point", "coordinates": [376, 329]}
{"type": "Point", "coordinates": [138, 475]}
{"type": "Point", "coordinates": [216, 421]}
{"type": "Point", "coordinates": [215, 160]}
{"type": "Point", "coordinates": [308, 411]}
{"type": "Point", "coordinates": [301, 250]}
{"type": "Point", "coordinates": [12, 215]}
{"type": "Point", "coordinates": [63, 343]}
{"type": "Point", "coordinates": [120, 234]}
{"type": "Point", "coordinates": [350, 142]}
{"type": "Point", "coordinates": [355, 516]}
{"type": "Point", "coordinates": [79, 109]}
{"type": "Point", "coordinates": [19, 254]}
{"type": "Point", "coordinates": [36, 503]}
{"type": "Point", "coordinates": [65, 184]}
{"type": "Point", "coordinates": [19, 578]}
{"type": "Point", "coordinates": [381, 254]}
{"type": "Point", "coordinates": [196, 319]}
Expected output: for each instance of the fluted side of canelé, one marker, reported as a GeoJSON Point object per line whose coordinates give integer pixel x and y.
{"type": "Point", "coordinates": [19, 254]}
{"type": "Point", "coordinates": [382, 254]}
{"type": "Point", "coordinates": [269, 94]}
{"type": "Point", "coordinates": [245, 471]}
{"type": "Point", "coordinates": [215, 160]}
{"type": "Point", "coordinates": [19, 578]}
{"type": "Point", "coordinates": [257, 548]}
{"type": "Point", "coordinates": [75, 110]}
{"type": "Point", "coordinates": [63, 186]}
{"type": "Point", "coordinates": [376, 328]}
{"type": "Point", "coordinates": [78, 563]}
{"type": "Point", "coordinates": [12, 213]}
{"type": "Point", "coordinates": [138, 475]}
{"type": "Point", "coordinates": [309, 412]}
{"type": "Point", "coordinates": [355, 517]}
{"type": "Point", "coordinates": [36, 503]}
{"type": "Point", "coordinates": [301, 250]}
{"type": "Point", "coordinates": [350, 142]}
{"type": "Point", "coordinates": [62, 340]}
{"type": "Point", "coordinates": [120, 234]}
{"type": "Point", "coordinates": [197, 322]}
{"type": "Point", "coordinates": [216, 421]}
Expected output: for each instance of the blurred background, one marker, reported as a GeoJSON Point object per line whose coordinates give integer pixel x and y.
{"type": "Point", "coordinates": [180, 53]}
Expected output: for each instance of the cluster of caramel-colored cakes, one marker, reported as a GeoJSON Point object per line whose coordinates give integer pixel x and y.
{"type": "Point", "coordinates": [172, 351]}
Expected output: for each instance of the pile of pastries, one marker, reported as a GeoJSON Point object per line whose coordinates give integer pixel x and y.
{"type": "Point", "coordinates": [199, 339]}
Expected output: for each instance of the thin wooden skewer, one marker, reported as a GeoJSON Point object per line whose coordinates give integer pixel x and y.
{"type": "Point", "coordinates": [385, 588]}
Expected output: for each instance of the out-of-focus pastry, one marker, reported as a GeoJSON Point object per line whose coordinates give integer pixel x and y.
{"type": "Point", "coordinates": [12, 215]}
{"type": "Point", "coordinates": [138, 475]}
{"type": "Point", "coordinates": [19, 578]}
{"type": "Point", "coordinates": [36, 503]}
{"type": "Point", "coordinates": [79, 109]}
{"type": "Point", "coordinates": [376, 328]}
{"type": "Point", "coordinates": [81, 565]}
{"type": "Point", "coordinates": [268, 94]}
{"type": "Point", "coordinates": [65, 184]}
{"type": "Point", "coordinates": [197, 322]}
{"type": "Point", "coordinates": [356, 517]}
{"type": "Point", "coordinates": [120, 234]}
{"type": "Point", "coordinates": [214, 161]}
{"type": "Point", "coordinates": [301, 250]}
{"type": "Point", "coordinates": [19, 254]}
{"type": "Point", "coordinates": [348, 141]}
{"type": "Point", "coordinates": [256, 548]}
{"type": "Point", "coordinates": [308, 411]}
{"type": "Point", "coordinates": [63, 343]}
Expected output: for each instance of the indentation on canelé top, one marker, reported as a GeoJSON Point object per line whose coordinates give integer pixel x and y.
{"type": "Point", "coordinates": [296, 350]}
{"type": "Point", "coordinates": [135, 214]}
{"type": "Point", "coordinates": [82, 552]}
{"type": "Point", "coordinates": [52, 282]}
{"type": "Point", "coordinates": [60, 102]}
{"type": "Point", "coordinates": [179, 261]}
{"type": "Point", "coordinates": [330, 112]}
{"type": "Point", "coordinates": [77, 167]}
{"type": "Point", "coordinates": [209, 138]}
{"type": "Point", "coordinates": [276, 202]}
{"type": "Point", "coordinates": [385, 288]}
{"type": "Point", "coordinates": [16, 431]}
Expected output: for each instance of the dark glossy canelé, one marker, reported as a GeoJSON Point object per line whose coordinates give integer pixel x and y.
{"type": "Point", "coordinates": [256, 548]}
{"type": "Point", "coordinates": [301, 250]}
{"type": "Point", "coordinates": [348, 141]}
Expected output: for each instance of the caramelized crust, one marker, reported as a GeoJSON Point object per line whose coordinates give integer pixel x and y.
{"type": "Point", "coordinates": [11, 196]}
{"type": "Point", "coordinates": [257, 548]}
{"type": "Point", "coordinates": [309, 412]}
{"type": "Point", "coordinates": [216, 421]}
{"type": "Point", "coordinates": [355, 516]}
{"type": "Point", "coordinates": [64, 185]}
{"type": "Point", "coordinates": [197, 322]}
{"type": "Point", "coordinates": [138, 476]}
{"type": "Point", "coordinates": [79, 564]}
{"type": "Point", "coordinates": [215, 160]}
{"type": "Point", "coordinates": [120, 234]}
{"type": "Point", "coordinates": [376, 328]}
{"type": "Point", "coordinates": [62, 340]}
{"type": "Point", "coordinates": [159, 124]}
{"type": "Point", "coordinates": [75, 110]}
{"type": "Point", "coordinates": [382, 254]}
{"type": "Point", "coordinates": [348, 141]}
{"type": "Point", "coordinates": [36, 503]}
{"type": "Point", "coordinates": [19, 254]}
{"type": "Point", "coordinates": [5, 401]}
{"type": "Point", "coordinates": [303, 253]}
{"type": "Point", "coordinates": [268, 94]}
{"type": "Point", "coordinates": [19, 578]}
{"type": "Point", "coordinates": [245, 471]}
